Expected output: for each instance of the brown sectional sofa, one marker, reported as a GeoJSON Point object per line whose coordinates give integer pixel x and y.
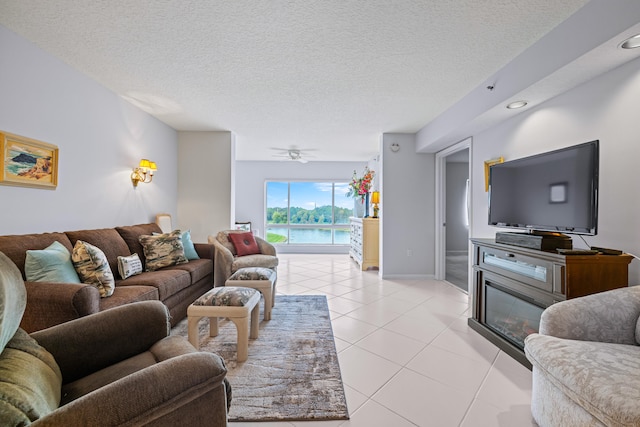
{"type": "Point", "coordinates": [49, 304]}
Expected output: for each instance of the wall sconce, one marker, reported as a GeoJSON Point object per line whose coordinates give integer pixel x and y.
{"type": "Point", "coordinates": [375, 199]}
{"type": "Point", "coordinates": [144, 172]}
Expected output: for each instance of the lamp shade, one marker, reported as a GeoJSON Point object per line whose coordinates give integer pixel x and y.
{"type": "Point", "coordinates": [152, 166]}
{"type": "Point", "coordinates": [145, 163]}
{"type": "Point", "coordinates": [375, 197]}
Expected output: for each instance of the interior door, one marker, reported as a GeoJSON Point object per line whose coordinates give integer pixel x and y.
{"type": "Point", "coordinates": [460, 215]}
{"type": "Point", "coordinates": [457, 219]}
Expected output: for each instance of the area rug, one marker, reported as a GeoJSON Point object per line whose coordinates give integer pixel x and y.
{"type": "Point", "coordinates": [292, 373]}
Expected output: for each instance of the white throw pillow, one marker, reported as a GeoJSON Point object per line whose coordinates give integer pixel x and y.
{"type": "Point", "coordinates": [129, 265]}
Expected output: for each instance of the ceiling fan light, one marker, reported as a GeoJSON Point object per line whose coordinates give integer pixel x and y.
{"type": "Point", "coordinates": [631, 42]}
{"type": "Point", "coordinates": [516, 105]}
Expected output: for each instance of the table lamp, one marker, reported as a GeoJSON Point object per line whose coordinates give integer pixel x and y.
{"type": "Point", "coordinates": [375, 199]}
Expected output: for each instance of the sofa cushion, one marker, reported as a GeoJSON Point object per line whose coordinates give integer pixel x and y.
{"type": "Point", "coordinates": [258, 260]}
{"type": "Point", "coordinates": [163, 250]}
{"type": "Point", "coordinates": [52, 264]}
{"type": "Point", "coordinates": [92, 267]}
{"type": "Point", "coordinates": [128, 294]}
{"type": "Point", "coordinates": [167, 281]}
{"type": "Point", "coordinates": [602, 378]}
{"type": "Point", "coordinates": [197, 268]}
{"type": "Point", "coordinates": [15, 246]}
{"type": "Point", "coordinates": [131, 233]}
{"type": "Point", "coordinates": [30, 381]}
{"type": "Point", "coordinates": [107, 239]}
{"type": "Point", "coordinates": [244, 243]}
{"type": "Point", "coordinates": [129, 265]}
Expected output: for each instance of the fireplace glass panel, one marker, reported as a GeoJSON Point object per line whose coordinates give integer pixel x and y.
{"type": "Point", "coordinates": [536, 272]}
{"type": "Point", "coordinates": [511, 317]}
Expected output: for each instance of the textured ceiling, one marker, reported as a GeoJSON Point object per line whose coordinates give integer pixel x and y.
{"type": "Point", "coordinates": [329, 75]}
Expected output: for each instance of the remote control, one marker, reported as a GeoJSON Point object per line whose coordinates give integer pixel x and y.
{"type": "Point", "coordinates": [577, 251]}
{"type": "Point", "coordinates": [607, 251]}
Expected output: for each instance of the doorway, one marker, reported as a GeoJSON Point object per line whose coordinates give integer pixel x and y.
{"type": "Point", "coordinates": [454, 214]}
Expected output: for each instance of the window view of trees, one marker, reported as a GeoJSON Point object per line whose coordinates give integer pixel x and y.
{"type": "Point", "coordinates": [294, 211]}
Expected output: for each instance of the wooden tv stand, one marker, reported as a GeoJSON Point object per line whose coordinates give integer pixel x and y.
{"type": "Point", "coordinates": [512, 286]}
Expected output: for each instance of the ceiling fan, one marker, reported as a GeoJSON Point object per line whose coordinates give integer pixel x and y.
{"type": "Point", "coordinates": [293, 154]}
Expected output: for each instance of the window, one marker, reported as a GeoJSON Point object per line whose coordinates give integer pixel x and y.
{"type": "Point", "coordinates": [309, 213]}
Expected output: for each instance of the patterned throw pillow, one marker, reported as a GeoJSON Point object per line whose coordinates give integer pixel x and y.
{"type": "Point", "coordinates": [129, 265]}
{"type": "Point", "coordinates": [244, 243]}
{"type": "Point", "coordinates": [189, 248]}
{"type": "Point", "coordinates": [163, 250]}
{"type": "Point", "coordinates": [93, 268]}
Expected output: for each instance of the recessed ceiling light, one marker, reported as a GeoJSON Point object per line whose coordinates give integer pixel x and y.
{"type": "Point", "coordinates": [631, 42]}
{"type": "Point", "coordinates": [516, 104]}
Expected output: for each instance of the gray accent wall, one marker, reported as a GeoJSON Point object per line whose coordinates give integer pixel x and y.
{"type": "Point", "coordinates": [100, 136]}
{"type": "Point", "coordinates": [408, 209]}
{"type": "Point", "coordinates": [604, 108]}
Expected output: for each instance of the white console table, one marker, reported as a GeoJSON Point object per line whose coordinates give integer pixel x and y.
{"type": "Point", "coordinates": [364, 241]}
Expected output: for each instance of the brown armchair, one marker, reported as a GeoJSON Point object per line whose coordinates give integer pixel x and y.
{"type": "Point", "coordinates": [117, 367]}
{"type": "Point", "coordinates": [226, 262]}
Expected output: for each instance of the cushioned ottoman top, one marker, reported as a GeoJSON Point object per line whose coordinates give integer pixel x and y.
{"type": "Point", "coordinates": [229, 296]}
{"type": "Point", "coordinates": [253, 273]}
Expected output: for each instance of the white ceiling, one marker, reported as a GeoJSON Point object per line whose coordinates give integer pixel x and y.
{"type": "Point", "coordinates": [326, 75]}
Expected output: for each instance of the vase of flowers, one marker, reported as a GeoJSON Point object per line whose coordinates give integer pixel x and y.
{"type": "Point", "coordinates": [359, 190]}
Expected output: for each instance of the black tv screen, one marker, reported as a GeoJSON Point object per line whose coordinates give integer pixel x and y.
{"type": "Point", "coordinates": [554, 191]}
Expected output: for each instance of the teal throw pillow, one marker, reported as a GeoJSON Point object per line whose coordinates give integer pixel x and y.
{"type": "Point", "coordinates": [52, 264]}
{"type": "Point", "coordinates": [189, 248]}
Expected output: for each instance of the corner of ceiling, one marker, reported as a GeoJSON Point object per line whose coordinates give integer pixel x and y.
{"type": "Point", "coordinates": [540, 71]}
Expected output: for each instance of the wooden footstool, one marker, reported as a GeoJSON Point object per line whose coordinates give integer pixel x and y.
{"type": "Point", "coordinates": [235, 303]}
{"type": "Point", "coordinates": [259, 278]}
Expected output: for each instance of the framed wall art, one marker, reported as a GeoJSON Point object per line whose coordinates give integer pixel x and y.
{"type": "Point", "coordinates": [244, 226]}
{"type": "Point", "coordinates": [487, 167]}
{"type": "Point", "coordinates": [28, 163]}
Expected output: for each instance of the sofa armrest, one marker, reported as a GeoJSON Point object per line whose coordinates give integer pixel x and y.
{"type": "Point", "coordinates": [91, 343]}
{"type": "Point", "coordinates": [221, 264]}
{"type": "Point", "coordinates": [266, 248]}
{"type": "Point", "coordinates": [185, 390]}
{"type": "Point", "coordinates": [50, 304]}
{"type": "Point", "coordinates": [204, 250]}
{"type": "Point", "coordinates": [609, 316]}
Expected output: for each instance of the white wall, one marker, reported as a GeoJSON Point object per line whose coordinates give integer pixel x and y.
{"type": "Point", "coordinates": [205, 182]}
{"type": "Point", "coordinates": [407, 211]}
{"type": "Point", "coordinates": [604, 108]}
{"type": "Point", "coordinates": [100, 136]}
{"type": "Point", "coordinates": [250, 178]}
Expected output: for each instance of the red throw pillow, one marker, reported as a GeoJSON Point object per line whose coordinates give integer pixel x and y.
{"type": "Point", "coordinates": [244, 243]}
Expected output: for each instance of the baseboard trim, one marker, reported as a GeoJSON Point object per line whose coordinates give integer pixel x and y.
{"type": "Point", "coordinates": [312, 249]}
{"type": "Point", "coordinates": [409, 276]}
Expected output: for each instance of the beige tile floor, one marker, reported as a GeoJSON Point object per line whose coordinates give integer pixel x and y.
{"type": "Point", "coordinates": [406, 353]}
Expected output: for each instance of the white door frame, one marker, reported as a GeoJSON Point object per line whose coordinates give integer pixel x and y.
{"type": "Point", "coordinates": [441, 205]}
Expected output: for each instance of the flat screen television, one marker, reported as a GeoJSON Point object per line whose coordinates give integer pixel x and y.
{"type": "Point", "coordinates": [555, 191]}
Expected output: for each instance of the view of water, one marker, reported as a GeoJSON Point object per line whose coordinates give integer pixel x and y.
{"type": "Point", "coordinates": [320, 236]}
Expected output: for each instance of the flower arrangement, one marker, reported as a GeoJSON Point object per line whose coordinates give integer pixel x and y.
{"type": "Point", "coordinates": [359, 187]}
